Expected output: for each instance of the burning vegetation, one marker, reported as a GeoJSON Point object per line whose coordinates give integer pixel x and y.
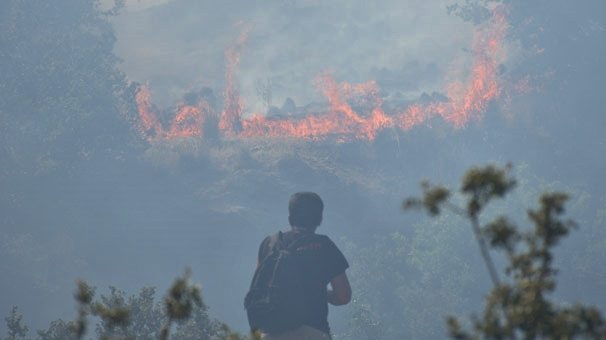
{"type": "Point", "coordinates": [354, 111]}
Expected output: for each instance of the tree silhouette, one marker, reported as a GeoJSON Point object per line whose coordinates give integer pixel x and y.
{"type": "Point", "coordinates": [519, 306]}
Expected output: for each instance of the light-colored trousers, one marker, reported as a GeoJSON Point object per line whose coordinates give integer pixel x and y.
{"type": "Point", "coordinates": [301, 333]}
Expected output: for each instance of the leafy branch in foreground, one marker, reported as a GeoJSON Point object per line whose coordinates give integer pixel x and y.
{"type": "Point", "coordinates": [180, 301]}
{"type": "Point", "coordinates": [480, 186]}
{"type": "Point", "coordinates": [520, 306]}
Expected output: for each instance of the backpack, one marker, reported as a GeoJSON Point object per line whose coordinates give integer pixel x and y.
{"type": "Point", "coordinates": [274, 302]}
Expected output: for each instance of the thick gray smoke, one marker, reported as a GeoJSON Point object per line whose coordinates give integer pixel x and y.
{"type": "Point", "coordinates": [82, 194]}
{"type": "Point", "coordinates": [290, 43]}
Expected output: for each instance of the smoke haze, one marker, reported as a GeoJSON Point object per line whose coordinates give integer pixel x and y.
{"type": "Point", "coordinates": [93, 188]}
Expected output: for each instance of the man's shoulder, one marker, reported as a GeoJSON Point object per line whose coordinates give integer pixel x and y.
{"type": "Point", "coordinates": [290, 236]}
{"type": "Point", "coordinates": [272, 239]}
{"type": "Point", "coordinates": [269, 239]}
{"type": "Point", "coordinates": [324, 239]}
{"type": "Point", "coordinates": [313, 237]}
{"type": "Point", "coordinates": [319, 242]}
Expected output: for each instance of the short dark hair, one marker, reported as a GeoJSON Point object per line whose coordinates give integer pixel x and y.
{"type": "Point", "coordinates": [305, 210]}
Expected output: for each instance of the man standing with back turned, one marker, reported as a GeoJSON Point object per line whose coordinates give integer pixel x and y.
{"type": "Point", "coordinates": [294, 270]}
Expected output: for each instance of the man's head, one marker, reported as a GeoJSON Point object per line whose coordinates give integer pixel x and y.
{"type": "Point", "coordinates": [305, 210]}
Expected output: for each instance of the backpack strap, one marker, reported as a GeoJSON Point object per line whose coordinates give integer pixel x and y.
{"type": "Point", "coordinates": [272, 246]}
{"type": "Point", "coordinates": [275, 241]}
{"type": "Point", "coordinates": [278, 246]}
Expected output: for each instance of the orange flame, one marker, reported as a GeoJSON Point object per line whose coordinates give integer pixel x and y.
{"type": "Point", "coordinates": [465, 102]}
{"type": "Point", "coordinates": [149, 120]}
{"type": "Point", "coordinates": [231, 117]}
{"type": "Point", "coordinates": [188, 121]}
{"type": "Point", "coordinates": [471, 100]}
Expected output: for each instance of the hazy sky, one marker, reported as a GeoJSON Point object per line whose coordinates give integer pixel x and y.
{"type": "Point", "coordinates": [179, 45]}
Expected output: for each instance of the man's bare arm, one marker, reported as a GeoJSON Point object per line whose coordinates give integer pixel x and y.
{"type": "Point", "coordinates": [340, 292]}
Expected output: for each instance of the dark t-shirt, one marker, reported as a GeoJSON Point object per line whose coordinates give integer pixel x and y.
{"type": "Point", "coordinates": [320, 262]}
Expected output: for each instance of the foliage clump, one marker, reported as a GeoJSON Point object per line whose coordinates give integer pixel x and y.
{"type": "Point", "coordinates": [136, 317]}
{"type": "Point", "coordinates": [15, 328]}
